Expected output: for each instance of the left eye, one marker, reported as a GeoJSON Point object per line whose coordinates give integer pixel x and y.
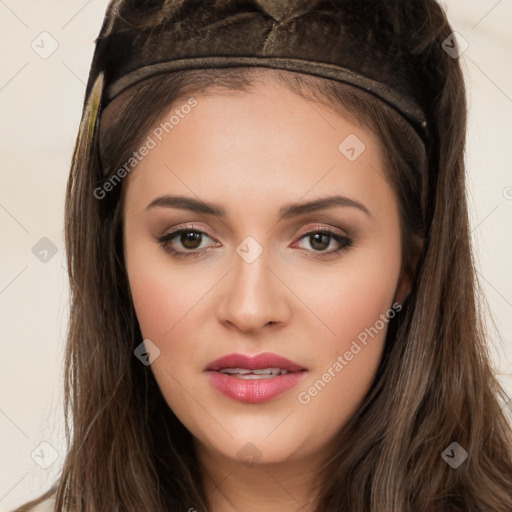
{"type": "Point", "coordinates": [321, 239]}
{"type": "Point", "coordinates": [190, 240]}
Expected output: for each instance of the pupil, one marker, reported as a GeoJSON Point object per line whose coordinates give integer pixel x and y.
{"type": "Point", "coordinates": [189, 239]}
{"type": "Point", "coordinates": [320, 238]}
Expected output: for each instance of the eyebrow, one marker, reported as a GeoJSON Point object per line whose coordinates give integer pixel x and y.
{"type": "Point", "coordinates": [286, 212]}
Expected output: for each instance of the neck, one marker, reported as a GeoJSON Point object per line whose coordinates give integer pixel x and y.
{"type": "Point", "coordinates": [233, 485]}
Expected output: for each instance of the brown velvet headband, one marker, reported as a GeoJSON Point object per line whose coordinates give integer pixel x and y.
{"type": "Point", "coordinates": [355, 42]}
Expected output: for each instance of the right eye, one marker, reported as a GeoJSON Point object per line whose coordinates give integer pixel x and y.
{"type": "Point", "coordinates": [189, 239]}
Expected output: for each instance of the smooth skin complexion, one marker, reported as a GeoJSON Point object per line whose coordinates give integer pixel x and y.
{"type": "Point", "coordinates": [253, 154]}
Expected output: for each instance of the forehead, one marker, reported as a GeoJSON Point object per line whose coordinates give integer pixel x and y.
{"type": "Point", "coordinates": [267, 142]}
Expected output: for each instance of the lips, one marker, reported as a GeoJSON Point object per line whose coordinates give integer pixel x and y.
{"type": "Point", "coordinates": [266, 360]}
{"type": "Point", "coordinates": [254, 380]}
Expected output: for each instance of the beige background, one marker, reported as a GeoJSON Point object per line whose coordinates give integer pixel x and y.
{"type": "Point", "coordinates": [40, 105]}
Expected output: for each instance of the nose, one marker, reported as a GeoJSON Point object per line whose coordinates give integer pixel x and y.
{"type": "Point", "coordinates": [253, 296]}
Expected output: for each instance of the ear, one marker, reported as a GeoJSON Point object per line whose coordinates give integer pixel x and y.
{"type": "Point", "coordinates": [403, 288]}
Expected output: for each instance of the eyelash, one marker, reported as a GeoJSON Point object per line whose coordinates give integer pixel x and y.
{"type": "Point", "coordinates": [345, 242]}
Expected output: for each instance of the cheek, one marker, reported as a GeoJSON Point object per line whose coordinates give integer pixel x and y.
{"type": "Point", "coordinates": [351, 298]}
{"type": "Point", "coordinates": [160, 300]}
{"type": "Point", "coordinates": [357, 303]}
{"type": "Point", "coordinates": [355, 306]}
{"type": "Point", "coordinates": [163, 291]}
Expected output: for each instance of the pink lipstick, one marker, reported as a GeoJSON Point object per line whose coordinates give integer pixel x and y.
{"type": "Point", "coordinates": [254, 379]}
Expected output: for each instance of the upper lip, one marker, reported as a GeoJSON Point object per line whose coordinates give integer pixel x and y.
{"type": "Point", "coordinates": [258, 362]}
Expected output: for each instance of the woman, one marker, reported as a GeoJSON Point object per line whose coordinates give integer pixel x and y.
{"type": "Point", "coordinates": [273, 296]}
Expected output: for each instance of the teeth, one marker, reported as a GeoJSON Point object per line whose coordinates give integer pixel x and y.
{"type": "Point", "coordinates": [243, 373]}
{"type": "Point", "coordinates": [252, 377]}
{"type": "Point", "coordinates": [235, 370]}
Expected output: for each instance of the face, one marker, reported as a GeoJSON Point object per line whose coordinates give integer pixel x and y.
{"type": "Point", "coordinates": [256, 272]}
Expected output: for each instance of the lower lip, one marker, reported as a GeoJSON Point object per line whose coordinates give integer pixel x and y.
{"type": "Point", "coordinates": [254, 391]}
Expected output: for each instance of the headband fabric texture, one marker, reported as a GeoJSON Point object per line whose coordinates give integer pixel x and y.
{"type": "Point", "coordinates": [352, 41]}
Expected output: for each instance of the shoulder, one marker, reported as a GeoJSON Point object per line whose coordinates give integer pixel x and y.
{"type": "Point", "coordinates": [44, 506]}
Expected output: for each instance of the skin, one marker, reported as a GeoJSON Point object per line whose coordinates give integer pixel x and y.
{"type": "Point", "coordinates": [251, 153]}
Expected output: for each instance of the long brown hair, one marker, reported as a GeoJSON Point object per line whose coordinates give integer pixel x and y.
{"type": "Point", "coordinates": [127, 450]}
